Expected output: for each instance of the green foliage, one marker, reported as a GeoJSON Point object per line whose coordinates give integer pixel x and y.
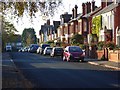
{"type": "Point", "coordinates": [47, 7]}
{"type": "Point", "coordinates": [77, 39]}
{"type": "Point", "coordinates": [51, 42]}
{"type": "Point", "coordinates": [82, 46]}
{"type": "Point", "coordinates": [100, 45]}
{"type": "Point", "coordinates": [96, 22]}
{"type": "Point", "coordinates": [8, 33]}
{"type": "Point", "coordinates": [28, 36]}
{"type": "Point", "coordinates": [110, 45]}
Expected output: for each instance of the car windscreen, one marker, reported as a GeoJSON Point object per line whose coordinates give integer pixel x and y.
{"type": "Point", "coordinates": [34, 46]}
{"type": "Point", "coordinates": [58, 49]}
{"type": "Point", "coordinates": [75, 49]}
{"type": "Point", "coordinates": [44, 46]}
{"type": "Point", "coordinates": [49, 48]}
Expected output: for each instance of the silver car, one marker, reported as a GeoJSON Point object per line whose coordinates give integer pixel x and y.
{"type": "Point", "coordinates": [47, 51]}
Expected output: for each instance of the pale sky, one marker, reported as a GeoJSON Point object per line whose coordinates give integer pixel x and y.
{"type": "Point", "coordinates": [37, 22]}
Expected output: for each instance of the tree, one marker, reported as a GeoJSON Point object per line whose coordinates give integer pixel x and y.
{"type": "Point", "coordinates": [47, 7]}
{"type": "Point", "coordinates": [77, 39]}
{"type": "Point", "coordinates": [28, 36]}
{"type": "Point", "coordinates": [97, 25]}
{"type": "Point", "coordinates": [8, 33]}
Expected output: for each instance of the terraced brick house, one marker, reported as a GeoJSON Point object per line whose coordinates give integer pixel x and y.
{"type": "Point", "coordinates": [89, 9]}
{"type": "Point", "coordinates": [56, 24]}
{"type": "Point", "coordinates": [63, 29]}
{"type": "Point", "coordinates": [110, 22]}
{"type": "Point", "coordinates": [46, 33]}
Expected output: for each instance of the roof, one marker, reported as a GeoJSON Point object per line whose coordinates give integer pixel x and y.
{"type": "Point", "coordinates": [107, 9]}
{"type": "Point", "coordinates": [74, 19]}
{"type": "Point", "coordinates": [44, 28]}
{"type": "Point", "coordinates": [91, 13]}
{"type": "Point", "coordinates": [79, 16]}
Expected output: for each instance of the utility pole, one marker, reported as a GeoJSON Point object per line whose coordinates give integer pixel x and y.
{"type": "Point", "coordinates": [1, 21]}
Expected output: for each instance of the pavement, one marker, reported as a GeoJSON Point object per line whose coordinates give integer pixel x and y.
{"type": "Point", "coordinates": [104, 63]}
{"type": "Point", "coordinates": [13, 78]}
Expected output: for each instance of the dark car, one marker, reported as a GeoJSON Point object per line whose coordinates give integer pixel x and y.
{"type": "Point", "coordinates": [57, 51]}
{"type": "Point", "coordinates": [73, 53]}
{"type": "Point", "coordinates": [41, 49]}
{"type": "Point", "coordinates": [33, 48]}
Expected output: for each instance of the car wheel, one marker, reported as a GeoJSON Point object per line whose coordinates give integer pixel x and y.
{"type": "Point", "coordinates": [82, 60]}
{"type": "Point", "coordinates": [68, 59]}
{"type": "Point", "coordinates": [51, 55]}
{"type": "Point", "coordinates": [64, 59]}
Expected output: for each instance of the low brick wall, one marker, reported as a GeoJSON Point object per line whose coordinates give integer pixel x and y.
{"type": "Point", "coordinates": [100, 54]}
{"type": "Point", "coordinates": [114, 56]}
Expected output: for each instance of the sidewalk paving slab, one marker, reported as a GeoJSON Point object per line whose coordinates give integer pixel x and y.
{"type": "Point", "coordinates": [11, 76]}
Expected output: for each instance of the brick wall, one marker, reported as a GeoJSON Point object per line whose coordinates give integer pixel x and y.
{"type": "Point", "coordinates": [116, 20]}
{"type": "Point", "coordinates": [114, 56]}
{"type": "Point", "coordinates": [100, 54]}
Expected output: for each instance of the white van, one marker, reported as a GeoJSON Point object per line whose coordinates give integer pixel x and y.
{"type": "Point", "coordinates": [8, 48]}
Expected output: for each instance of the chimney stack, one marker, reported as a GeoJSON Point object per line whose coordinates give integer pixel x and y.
{"type": "Point", "coordinates": [75, 11]}
{"type": "Point", "coordinates": [103, 3]}
{"type": "Point", "coordinates": [93, 5]}
{"type": "Point", "coordinates": [83, 8]}
{"type": "Point", "coordinates": [89, 7]}
{"type": "Point", "coordinates": [48, 22]}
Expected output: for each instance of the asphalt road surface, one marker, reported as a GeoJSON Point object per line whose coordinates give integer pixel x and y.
{"type": "Point", "coordinates": [52, 72]}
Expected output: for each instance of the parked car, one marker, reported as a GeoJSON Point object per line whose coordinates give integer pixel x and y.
{"type": "Point", "coordinates": [42, 47]}
{"type": "Point", "coordinates": [47, 51]}
{"type": "Point", "coordinates": [33, 48]}
{"type": "Point", "coordinates": [57, 51]}
{"type": "Point", "coordinates": [8, 48]}
{"type": "Point", "coordinates": [20, 50]}
{"type": "Point", "coordinates": [24, 49]}
{"type": "Point", "coordinates": [38, 50]}
{"type": "Point", "coordinates": [73, 53]}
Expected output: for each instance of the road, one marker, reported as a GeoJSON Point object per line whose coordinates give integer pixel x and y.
{"type": "Point", "coordinates": [52, 72]}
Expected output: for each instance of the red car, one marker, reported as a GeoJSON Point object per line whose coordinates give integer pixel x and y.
{"type": "Point", "coordinates": [73, 53]}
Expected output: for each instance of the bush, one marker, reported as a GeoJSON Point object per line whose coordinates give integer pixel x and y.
{"type": "Point", "coordinates": [100, 45]}
{"type": "Point", "coordinates": [82, 46]}
{"type": "Point", "coordinates": [110, 45]}
{"type": "Point", "coordinates": [77, 39]}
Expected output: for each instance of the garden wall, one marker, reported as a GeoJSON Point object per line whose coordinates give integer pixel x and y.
{"type": "Point", "coordinates": [112, 55]}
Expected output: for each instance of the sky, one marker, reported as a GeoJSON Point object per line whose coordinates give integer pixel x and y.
{"type": "Point", "coordinates": [38, 21]}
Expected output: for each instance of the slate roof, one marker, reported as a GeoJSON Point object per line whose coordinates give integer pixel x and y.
{"type": "Point", "coordinates": [107, 9]}
{"type": "Point", "coordinates": [91, 13]}
{"type": "Point", "coordinates": [78, 16]}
